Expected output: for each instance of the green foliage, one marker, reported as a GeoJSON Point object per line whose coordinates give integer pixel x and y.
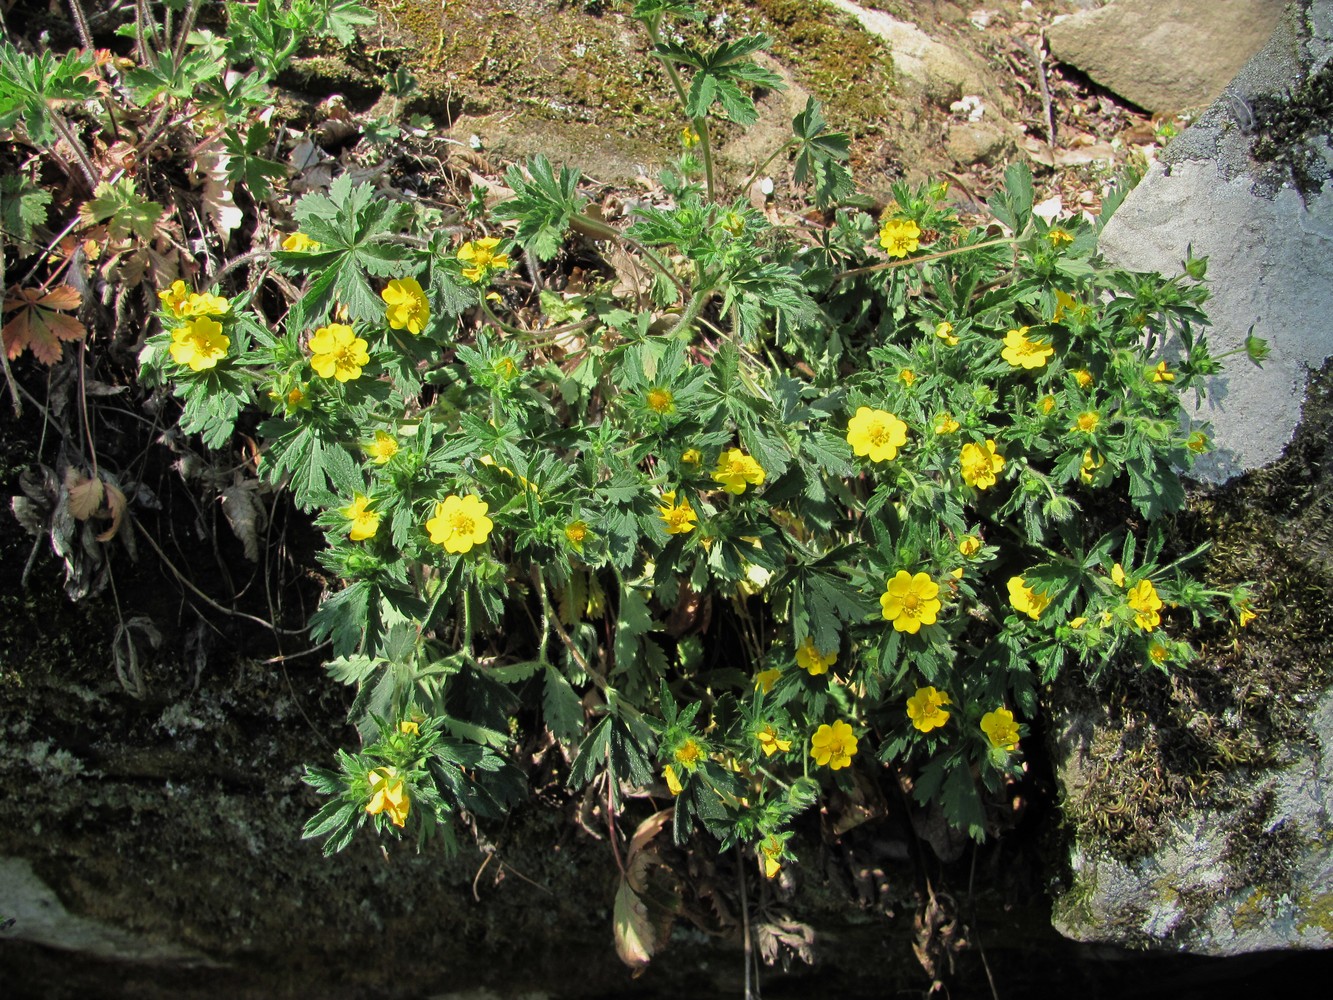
{"type": "Point", "coordinates": [23, 206]}
{"type": "Point", "coordinates": [123, 210]}
{"type": "Point", "coordinates": [31, 87]}
{"type": "Point", "coordinates": [731, 531]}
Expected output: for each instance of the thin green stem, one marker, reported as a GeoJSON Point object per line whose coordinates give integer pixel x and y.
{"type": "Point", "coordinates": [771, 157]}
{"type": "Point", "coordinates": [692, 310]}
{"type": "Point", "coordinates": [1004, 241]}
{"type": "Point", "coordinates": [700, 125]}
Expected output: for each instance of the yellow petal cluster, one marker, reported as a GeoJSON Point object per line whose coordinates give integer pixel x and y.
{"type": "Point", "coordinates": [812, 660]}
{"type": "Point", "coordinates": [944, 331]}
{"type": "Point", "coordinates": [1025, 600]}
{"type": "Point", "coordinates": [388, 796]}
{"type": "Point", "coordinates": [1023, 352]}
{"type": "Point", "coordinates": [299, 243]}
{"type": "Point", "coordinates": [834, 745]}
{"type": "Point", "coordinates": [383, 448]}
{"type": "Point", "coordinates": [460, 523]}
{"type": "Point", "coordinates": [199, 343]}
{"type": "Point", "coordinates": [407, 306]}
{"type": "Point", "coordinates": [679, 518]}
{"type": "Point", "coordinates": [770, 742]}
{"type": "Point", "coordinates": [899, 237]}
{"type": "Point", "coordinates": [1000, 729]}
{"type": "Point", "coordinates": [1142, 597]}
{"type": "Point", "coordinates": [926, 709]}
{"type": "Point", "coordinates": [479, 259]}
{"type": "Point", "coordinates": [876, 434]}
{"type": "Point", "coordinates": [735, 470]}
{"type": "Point", "coordinates": [336, 352]}
{"type": "Point", "coordinates": [362, 523]}
{"type": "Point", "coordinates": [980, 465]}
{"type": "Point", "coordinates": [910, 601]}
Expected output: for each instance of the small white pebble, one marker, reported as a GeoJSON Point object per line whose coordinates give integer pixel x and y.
{"type": "Point", "coordinates": [766, 186]}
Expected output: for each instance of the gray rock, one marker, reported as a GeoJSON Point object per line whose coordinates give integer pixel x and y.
{"type": "Point", "coordinates": [923, 65]}
{"type": "Point", "coordinates": [1257, 876]}
{"type": "Point", "coordinates": [1165, 55]}
{"type": "Point", "coordinates": [1269, 248]}
{"type": "Point", "coordinates": [979, 142]}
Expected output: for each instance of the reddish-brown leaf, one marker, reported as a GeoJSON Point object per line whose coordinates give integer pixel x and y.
{"type": "Point", "coordinates": [38, 325]}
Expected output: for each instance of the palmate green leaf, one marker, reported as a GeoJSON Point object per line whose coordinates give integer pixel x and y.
{"type": "Point", "coordinates": [719, 73]}
{"type": "Point", "coordinates": [246, 165]}
{"type": "Point", "coordinates": [341, 18]}
{"type": "Point", "coordinates": [821, 155]}
{"type": "Point", "coordinates": [1154, 487]}
{"type": "Point", "coordinates": [646, 9]}
{"type": "Point", "coordinates": [123, 210]}
{"type": "Point", "coordinates": [30, 86]}
{"type": "Point", "coordinates": [356, 231]}
{"type": "Point", "coordinates": [542, 205]}
{"type": "Point", "coordinates": [212, 404]}
{"type": "Point", "coordinates": [167, 77]}
{"type": "Point", "coordinates": [1012, 204]}
{"type": "Point", "coordinates": [22, 207]}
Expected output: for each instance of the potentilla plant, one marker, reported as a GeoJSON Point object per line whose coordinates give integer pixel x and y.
{"type": "Point", "coordinates": [813, 499]}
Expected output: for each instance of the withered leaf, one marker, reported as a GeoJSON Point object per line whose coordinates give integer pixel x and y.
{"type": "Point", "coordinates": [38, 324]}
{"type": "Point", "coordinates": [85, 494]}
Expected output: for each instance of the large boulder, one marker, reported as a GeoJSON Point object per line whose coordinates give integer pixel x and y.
{"type": "Point", "coordinates": [1198, 800]}
{"type": "Point", "coordinates": [1165, 55]}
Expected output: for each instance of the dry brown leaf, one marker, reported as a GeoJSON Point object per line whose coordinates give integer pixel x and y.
{"type": "Point", "coordinates": [85, 494]}
{"type": "Point", "coordinates": [38, 325]}
{"type": "Point", "coordinates": [635, 937]}
{"type": "Point", "coordinates": [115, 504]}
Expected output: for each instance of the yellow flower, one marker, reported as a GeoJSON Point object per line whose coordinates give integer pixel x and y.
{"type": "Point", "coordinates": [688, 137]}
{"type": "Point", "coordinates": [1083, 377]}
{"type": "Point", "coordinates": [1162, 373]}
{"type": "Point", "coordinates": [1087, 422]}
{"type": "Point", "coordinates": [907, 376]}
{"type": "Point", "coordinates": [1063, 302]}
{"type": "Point", "coordinates": [899, 237]}
{"type": "Point", "coordinates": [926, 709]}
{"type": "Point", "coordinates": [691, 456]}
{"type": "Point", "coordinates": [765, 679]}
{"type": "Point", "coordinates": [770, 742]}
{"type": "Point", "coordinates": [1142, 597]}
{"type": "Point", "coordinates": [1021, 352]}
{"type": "Point", "coordinates": [944, 331]}
{"type": "Point", "coordinates": [388, 795]}
{"type": "Point", "coordinates": [679, 517]}
{"type": "Point", "coordinates": [910, 601]}
{"type": "Point", "coordinates": [1000, 729]}
{"type": "Point", "coordinates": [1118, 575]}
{"type": "Point", "coordinates": [299, 243]}
{"type": "Point", "coordinates": [480, 258]}
{"type": "Point", "coordinates": [206, 304]}
{"type": "Point", "coordinates": [1046, 404]}
{"type": "Point", "coordinates": [297, 398]}
{"type": "Point", "coordinates": [173, 299]}
{"type": "Point", "coordinates": [661, 401]}
{"type": "Point", "coordinates": [577, 533]}
{"type": "Point", "coordinates": [969, 546]}
{"type": "Point", "coordinates": [812, 660]}
{"type": "Point", "coordinates": [687, 754]}
{"type": "Point", "coordinates": [1245, 613]}
{"type": "Point", "coordinates": [979, 465]}
{"type": "Point", "coordinates": [733, 223]}
{"type": "Point", "coordinates": [735, 469]}
{"type": "Point", "coordinates": [1078, 622]}
{"type": "Point", "coordinates": [1025, 600]}
{"type": "Point", "coordinates": [199, 343]}
{"type": "Point", "coordinates": [946, 424]}
{"type": "Point", "coordinates": [383, 448]}
{"type": "Point", "coordinates": [460, 523]}
{"type": "Point", "coordinates": [673, 782]}
{"type": "Point", "coordinates": [1058, 237]}
{"type": "Point", "coordinates": [505, 368]}
{"type": "Point", "coordinates": [833, 745]}
{"type": "Point", "coordinates": [1092, 464]}
{"type": "Point", "coordinates": [771, 850]}
{"type": "Point", "coordinates": [408, 308]}
{"type": "Point", "coordinates": [337, 352]}
{"type": "Point", "coordinates": [361, 523]}
{"type": "Point", "coordinates": [1158, 651]}
{"type": "Point", "coordinates": [409, 728]}
{"type": "Point", "coordinates": [876, 434]}
{"type": "Point", "coordinates": [1197, 442]}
